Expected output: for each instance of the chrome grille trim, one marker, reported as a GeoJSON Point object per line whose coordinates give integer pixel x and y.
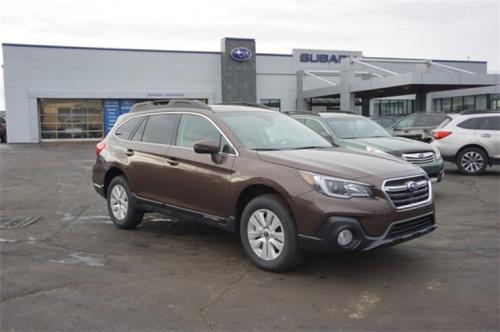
{"type": "Point", "coordinates": [419, 158]}
{"type": "Point", "coordinates": [402, 198]}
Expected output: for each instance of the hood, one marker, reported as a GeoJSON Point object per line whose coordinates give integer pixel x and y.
{"type": "Point", "coordinates": [340, 162]}
{"type": "Point", "coordinates": [393, 145]}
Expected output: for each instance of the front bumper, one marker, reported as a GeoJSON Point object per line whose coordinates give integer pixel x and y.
{"type": "Point", "coordinates": [400, 231]}
{"type": "Point", "coordinates": [434, 170]}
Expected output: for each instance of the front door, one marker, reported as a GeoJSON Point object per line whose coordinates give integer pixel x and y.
{"type": "Point", "coordinates": [199, 182]}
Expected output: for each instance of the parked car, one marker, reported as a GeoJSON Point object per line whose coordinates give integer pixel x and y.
{"type": "Point", "coordinates": [470, 140]}
{"type": "Point", "coordinates": [3, 130]}
{"type": "Point", "coordinates": [358, 132]}
{"type": "Point", "coordinates": [263, 175]}
{"type": "Point", "coordinates": [387, 122]}
{"type": "Point", "coordinates": [419, 126]}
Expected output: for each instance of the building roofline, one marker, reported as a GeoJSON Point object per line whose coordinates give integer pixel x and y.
{"type": "Point", "coordinates": [437, 60]}
{"type": "Point", "coordinates": [127, 49]}
{"type": "Point", "coordinates": [201, 52]}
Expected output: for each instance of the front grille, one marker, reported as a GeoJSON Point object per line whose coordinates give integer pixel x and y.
{"type": "Point", "coordinates": [419, 158]}
{"type": "Point", "coordinates": [410, 226]}
{"type": "Point", "coordinates": [408, 192]}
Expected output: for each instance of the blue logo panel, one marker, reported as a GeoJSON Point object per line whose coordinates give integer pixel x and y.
{"type": "Point", "coordinates": [241, 54]}
{"type": "Point", "coordinates": [111, 113]}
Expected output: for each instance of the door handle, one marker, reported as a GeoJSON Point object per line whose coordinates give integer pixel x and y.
{"type": "Point", "coordinates": [172, 161]}
{"type": "Point", "coordinates": [486, 135]}
{"type": "Point", "coordinates": [129, 152]}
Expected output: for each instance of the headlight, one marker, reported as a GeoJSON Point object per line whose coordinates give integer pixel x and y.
{"type": "Point", "coordinates": [438, 153]}
{"type": "Point", "coordinates": [335, 187]}
{"type": "Point", "coordinates": [374, 150]}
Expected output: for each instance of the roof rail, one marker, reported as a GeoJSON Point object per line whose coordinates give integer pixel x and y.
{"type": "Point", "coordinates": [257, 105]}
{"type": "Point", "coordinates": [480, 112]}
{"type": "Point", "coordinates": [168, 103]}
{"type": "Point", "coordinates": [300, 113]}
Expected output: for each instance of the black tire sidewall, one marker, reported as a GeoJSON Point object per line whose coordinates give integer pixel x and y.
{"type": "Point", "coordinates": [132, 216]}
{"type": "Point", "coordinates": [290, 256]}
{"type": "Point", "coordinates": [461, 155]}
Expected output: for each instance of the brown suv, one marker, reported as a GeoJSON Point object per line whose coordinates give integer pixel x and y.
{"type": "Point", "coordinates": [261, 174]}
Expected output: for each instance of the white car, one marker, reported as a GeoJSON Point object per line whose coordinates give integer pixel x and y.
{"type": "Point", "coordinates": [471, 140]}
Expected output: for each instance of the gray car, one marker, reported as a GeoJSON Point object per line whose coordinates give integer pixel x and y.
{"type": "Point", "coordinates": [470, 140]}
{"type": "Point", "coordinates": [419, 126]}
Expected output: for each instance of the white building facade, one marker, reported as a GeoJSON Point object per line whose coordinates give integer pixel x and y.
{"type": "Point", "coordinates": [76, 93]}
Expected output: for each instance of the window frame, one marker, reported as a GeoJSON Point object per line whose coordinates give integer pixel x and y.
{"type": "Point", "coordinates": [179, 113]}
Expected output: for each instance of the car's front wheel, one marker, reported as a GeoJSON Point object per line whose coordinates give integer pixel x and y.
{"type": "Point", "coordinates": [268, 234]}
{"type": "Point", "coordinates": [122, 211]}
{"type": "Point", "coordinates": [472, 161]}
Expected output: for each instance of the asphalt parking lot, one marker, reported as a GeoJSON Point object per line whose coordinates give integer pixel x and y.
{"type": "Point", "coordinates": [69, 268]}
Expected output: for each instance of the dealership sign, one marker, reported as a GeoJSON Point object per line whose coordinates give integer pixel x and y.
{"type": "Point", "coordinates": [321, 57]}
{"type": "Point", "coordinates": [241, 54]}
{"type": "Point", "coordinates": [306, 58]}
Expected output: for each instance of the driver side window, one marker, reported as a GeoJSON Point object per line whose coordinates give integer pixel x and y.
{"type": "Point", "coordinates": [194, 128]}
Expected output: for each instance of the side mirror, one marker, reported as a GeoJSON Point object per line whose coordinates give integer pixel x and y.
{"type": "Point", "coordinates": [207, 147]}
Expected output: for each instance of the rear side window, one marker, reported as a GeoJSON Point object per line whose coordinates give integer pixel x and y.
{"type": "Point", "coordinates": [159, 129]}
{"type": "Point", "coordinates": [473, 123]}
{"type": "Point", "coordinates": [429, 120]}
{"type": "Point", "coordinates": [126, 129]}
{"type": "Point", "coordinates": [194, 128]}
{"type": "Point", "coordinates": [491, 123]}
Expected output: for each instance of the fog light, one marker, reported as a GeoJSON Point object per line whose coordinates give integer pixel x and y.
{"type": "Point", "coordinates": [345, 237]}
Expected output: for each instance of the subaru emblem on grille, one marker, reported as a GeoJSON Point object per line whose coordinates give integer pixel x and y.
{"type": "Point", "coordinates": [420, 155]}
{"type": "Point", "coordinates": [411, 185]}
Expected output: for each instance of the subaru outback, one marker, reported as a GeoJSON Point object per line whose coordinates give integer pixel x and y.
{"type": "Point", "coordinates": [261, 174]}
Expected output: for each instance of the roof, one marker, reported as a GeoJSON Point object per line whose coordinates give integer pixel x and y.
{"type": "Point", "coordinates": [129, 49]}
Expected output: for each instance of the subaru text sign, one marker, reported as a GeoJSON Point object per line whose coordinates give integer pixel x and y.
{"type": "Point", "coordinates": [305, 58]}
{"type": "Point", "coordinates": [241, 54]}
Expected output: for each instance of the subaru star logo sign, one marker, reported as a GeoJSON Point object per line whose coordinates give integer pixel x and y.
{"type": "Point", "coordinates": [412, 186]}
{"type": "Point", "coordinates": [241, 54]}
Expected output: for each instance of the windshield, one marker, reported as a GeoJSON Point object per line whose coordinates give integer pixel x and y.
{"type": "Point", "coordinates": [355, 127]}
{"type": "Point", "coordinates": [272, 131]}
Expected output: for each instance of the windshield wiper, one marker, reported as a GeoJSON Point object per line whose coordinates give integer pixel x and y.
{"type": "Point", "coordinates": [267, 149]}
{"type": "Point", "coordinates": [310, 147]}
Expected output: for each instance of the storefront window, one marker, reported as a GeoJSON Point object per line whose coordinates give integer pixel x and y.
{"type": "Point", "coordinates": [495, 102]}
{"type": "Point", "coordinates": [446, 105]}
{"type": "Point", "coordinates": [70, 118]}
{"type": "Point", "coordinates": [458, 104]}
{"type": "Point", "coordinates": [469, 103]}
{"type": "Point", "coordinates": [275, 104]}
{"type": "Point", "coordinates": [481, 102]}
{"type": "Point", "coordinates": [437, 105]}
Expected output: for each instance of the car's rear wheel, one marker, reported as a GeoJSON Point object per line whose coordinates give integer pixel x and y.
{"type": "Point", "coordinates": [268, 234]}
{"type": "Point", "coordinates": [122, 211]}
{"type": "Point", "coordinates": [472, 161]}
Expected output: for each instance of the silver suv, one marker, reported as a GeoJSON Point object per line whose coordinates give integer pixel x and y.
{"type": "Point", "coordinates": [471, 140]}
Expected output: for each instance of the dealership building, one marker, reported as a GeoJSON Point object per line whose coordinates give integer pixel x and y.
{"type": "Point", "coordinates": [76, 93]}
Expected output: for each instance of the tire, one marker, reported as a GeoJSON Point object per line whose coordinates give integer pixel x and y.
{"type": "Point", "coordinates": [3, 138]}
{"type": "Point", "coordinates": [472, 161]}
{"type": "Point", "coordinates": [266, 225]}
{"type": "Point", "coordinates": [120, 207]}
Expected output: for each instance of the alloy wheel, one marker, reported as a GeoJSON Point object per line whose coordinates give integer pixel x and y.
{"type": "Point", "coordinates": [119, 202]}
{"type": "Point", "coordinates": [266, 234]}
{"type": "Point", "coordinates": [472, 161]}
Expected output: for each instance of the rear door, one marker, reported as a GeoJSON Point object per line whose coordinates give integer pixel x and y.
{"type": "Point", "coordinates": [148, 155]}
{"type": "Point", "coordinates": [488, 135]}
{"type": "Point", "coordinates": [196, 181]}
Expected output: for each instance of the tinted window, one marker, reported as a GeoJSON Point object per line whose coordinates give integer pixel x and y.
{"type": "Point", "coordinates": [194, 128]}
{"type": "Point", "coordinates": [139, 132]}
{"type": "Point", "coordinates": [473, 123]}
{"type": "Point", "coordinates": [126, 129]}
{"type": "Point", "coordinates": [406, 122]}
{"type": "Point", "coordinates": [491, 123]}
{"type": "Point", "coordinates": [428, 120]}
{"type": "Point", "coordinates": [317, 127]}
{"type": "Point", "coordinates": [159, 129]}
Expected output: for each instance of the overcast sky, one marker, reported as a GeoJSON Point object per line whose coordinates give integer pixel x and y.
{"type": "Point", "coordinates": [414, 29]}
